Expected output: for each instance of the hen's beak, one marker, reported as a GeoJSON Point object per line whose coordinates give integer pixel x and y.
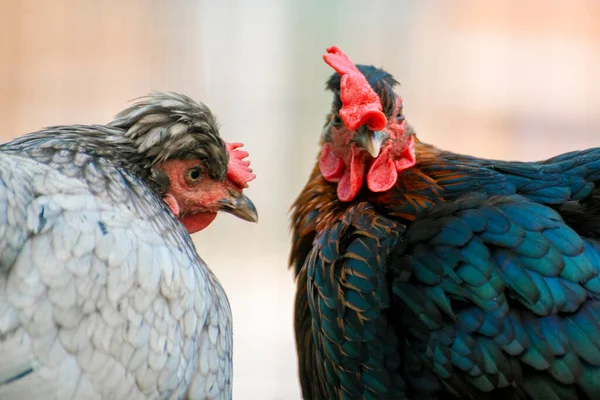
{"type": "Point", "coordinates": [371, 141]}
{"type": "Point", "coordinates": [242, 207]}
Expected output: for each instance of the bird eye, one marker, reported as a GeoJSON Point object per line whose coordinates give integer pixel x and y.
{"type": "Point", "coordinates": [400, 115]}
{"type": "Point", "coordinates": [194, 174]}
{"type": "Point", "coordinates": [336, 120]}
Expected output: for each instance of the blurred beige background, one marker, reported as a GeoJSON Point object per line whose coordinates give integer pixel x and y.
{"type": "Point", "coordinates": [504, 79]}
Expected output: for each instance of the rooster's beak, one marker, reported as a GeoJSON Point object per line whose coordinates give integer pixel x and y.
{"type": "Point", "coordinates": [241, 206]}
{"type": "Point", "coordinates": [371, 141]}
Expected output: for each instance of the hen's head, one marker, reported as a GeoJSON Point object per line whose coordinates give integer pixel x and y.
{"type": "Point", "coordinates": [365, 133]}
{"type": "Point", "coordinates": [195, 171]}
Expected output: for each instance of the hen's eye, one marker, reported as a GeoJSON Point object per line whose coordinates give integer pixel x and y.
{"type": "Point", "coordinates": [337, 121]}
{"type": "Point", "coordinates": [194, 174]}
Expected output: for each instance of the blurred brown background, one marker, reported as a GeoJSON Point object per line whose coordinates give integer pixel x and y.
{"type": "Point", "coordinates": [503, 79]}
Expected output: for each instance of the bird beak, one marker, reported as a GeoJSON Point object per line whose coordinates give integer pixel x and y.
{"type": "Point", "coordinates": [371, 141]}
{"type": "Point", "coordinates": [242, 207]}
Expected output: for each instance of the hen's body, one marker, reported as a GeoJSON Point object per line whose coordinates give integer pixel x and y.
{"type": "Point", "coordinates": [102, 294]}
{"type": "Point", "coordinates": [470, 278]}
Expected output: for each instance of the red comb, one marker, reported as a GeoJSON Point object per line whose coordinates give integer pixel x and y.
{"type": "Point", "coordinates": [360, 103]}
{"type": "Point", "coordinates": [239, 170]}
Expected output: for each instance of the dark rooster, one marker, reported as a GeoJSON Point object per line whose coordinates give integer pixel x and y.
{"type": "Point", "coordinates": [425, 274]}
{"type": "Point", "coordinates": [102, 293]}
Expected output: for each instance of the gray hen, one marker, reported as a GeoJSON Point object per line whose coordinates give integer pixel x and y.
{"type": "Point", "coordinates": [102, 293]}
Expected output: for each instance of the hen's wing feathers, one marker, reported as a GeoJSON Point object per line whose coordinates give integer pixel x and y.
{"type": "Point", "coordinates": [491, 291]}
{"type": "Point", "coordinates": [13, 211]}
{"type": "Point", "coordinates": [102, 297]}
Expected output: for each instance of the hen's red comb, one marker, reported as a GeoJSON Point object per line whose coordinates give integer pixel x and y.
{"type": "Point", "coordinates": [360, 103]}
{"type": "Point", "coordinates": [238, 170]}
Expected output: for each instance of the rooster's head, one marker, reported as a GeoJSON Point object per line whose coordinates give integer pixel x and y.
{"type": "Point", "coordinates": [365, 135]}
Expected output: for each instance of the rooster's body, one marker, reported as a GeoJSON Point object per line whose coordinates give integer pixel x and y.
{"type": "Point", "coordinates": [462, 278]}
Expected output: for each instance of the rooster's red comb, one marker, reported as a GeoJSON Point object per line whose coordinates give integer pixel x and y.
{"type": "Point", "coordinates": [239, 170]}
{"type": "Point", "coordinates": [360, 104]}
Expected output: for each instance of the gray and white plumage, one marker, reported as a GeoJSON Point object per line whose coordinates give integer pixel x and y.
{"type": "Point", "coordinates": [102, 293]}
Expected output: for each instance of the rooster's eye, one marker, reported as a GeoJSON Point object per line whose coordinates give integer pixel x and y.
{"type": "Point", "coordinates": [400, 116]}
{"type": "Point", "coordinates": [336, 121]}
{"type": "Point", "coordinates": [194, 174]}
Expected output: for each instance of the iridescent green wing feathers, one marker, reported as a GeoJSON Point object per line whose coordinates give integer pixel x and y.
{"type": "Point", "coordinates": [494, 293]}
